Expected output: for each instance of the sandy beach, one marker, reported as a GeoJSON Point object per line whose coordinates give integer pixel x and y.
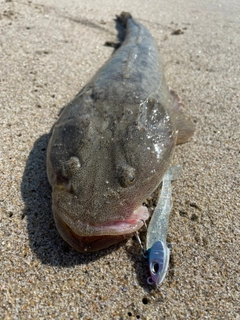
{"type": "Point", "coordinates": [49, 50]}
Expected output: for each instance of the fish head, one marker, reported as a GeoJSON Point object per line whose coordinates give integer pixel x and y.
{"type": "Point", "coordinates": [158, 260]}
{"type": "Point", "coordinates": [101, 172]}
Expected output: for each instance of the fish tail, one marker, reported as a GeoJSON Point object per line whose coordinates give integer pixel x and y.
{"type": "Point", "coordinates": [123, 18]}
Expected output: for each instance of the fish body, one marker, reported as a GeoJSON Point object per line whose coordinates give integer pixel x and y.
{"type": "Point", "coordinates": [156, 245]}
{"type": "Point", "coordinates": [112, 145]}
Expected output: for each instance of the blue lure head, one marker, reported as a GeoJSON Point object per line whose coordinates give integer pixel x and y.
{"type": "Point", "coordinates": [158, 261]}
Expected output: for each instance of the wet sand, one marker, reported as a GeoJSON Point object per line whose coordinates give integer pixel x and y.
{"type": "Point", "coordinates": [49, 50]}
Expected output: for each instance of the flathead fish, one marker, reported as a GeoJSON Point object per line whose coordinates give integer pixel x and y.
{"type": "Point", "coordinates": [113, 143]}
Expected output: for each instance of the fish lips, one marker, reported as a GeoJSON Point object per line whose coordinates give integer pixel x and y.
{"type": "Point", "coordinates": [84, 237]}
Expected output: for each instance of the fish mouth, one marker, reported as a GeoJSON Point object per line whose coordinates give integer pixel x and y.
{"type": "Point", "coordinates": [134, 222]}
{"type": "Point", "coordinates": [90, 238]}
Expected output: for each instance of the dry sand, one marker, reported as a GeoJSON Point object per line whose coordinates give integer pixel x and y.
{"type": "Point", "coordinates": [49, 49]}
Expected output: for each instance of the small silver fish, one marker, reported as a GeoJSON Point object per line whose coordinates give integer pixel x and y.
{"type": "Point", "coordinates": [113, 143]}
{"type": "Point", "coordinates": [157, 249]}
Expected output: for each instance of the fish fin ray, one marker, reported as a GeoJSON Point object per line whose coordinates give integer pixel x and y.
{"type": "Point", "coordinates": [184, 125]}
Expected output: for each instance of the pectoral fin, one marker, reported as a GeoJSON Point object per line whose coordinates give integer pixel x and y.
{"type": "Point", "coordinates": [184, 125]}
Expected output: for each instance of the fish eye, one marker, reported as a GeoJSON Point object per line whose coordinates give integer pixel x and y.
{"type": "Point", "coordinates": [127, 176]}
{"type": "Point", "coordinates": [70, 167]}
{"type": "Point", "coordinates": [154, 267]}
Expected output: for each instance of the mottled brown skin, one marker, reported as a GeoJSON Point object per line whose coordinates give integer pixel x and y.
{"type": "Point", "coordinates": [112, 145]}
